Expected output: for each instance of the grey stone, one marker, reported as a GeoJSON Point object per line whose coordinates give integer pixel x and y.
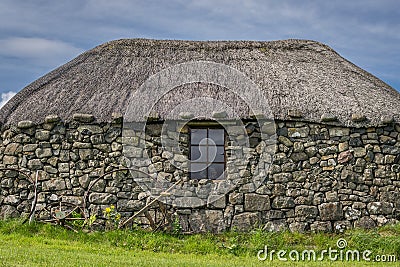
{"type": "Point", "coordinates": [142, 195]}
{"type": "Point", "coordinates": [102, 198]}
{"type": "Point", "coordinates": [380, 208]}
{"type": "Point", "coordinates": [299, 227]}
{"type": "Point", "coordinates": [112, 134]}
{"type": "Point", "coordinates": [7, 211]}
{"type": "Point", "coordinates": [97, 139]}
{"type": "Point", "coordinates": [282, 202]}
{"type": "Point", "coordinates": [331, 211]}
{"type": "Point", "coordinates": [216, 202]}
{"type": "Point", "coordinates": [167, 155]}
{"type": "Point", "coordinates": [10, 160]}
{"type": "Point", "coordinates": [53, 197]}
{"type": "Point", "coordinates": [284, 140]}
{"type": "Point", "coordinates": [42, 175]}
{"type": "Point", "coordinates": [245, 221]}
{"type": "Point", "coordinates": [359, 152]}
{"type": "Point", "coordinates": [255, 202]}
{"type": "Point", "coordinates": [268, 128]}
{"type": "Point", "coordinates": [84, 181]}
{"type": "Point", "coordinates": [13, 149]}
{"type": "Point", "coordinates": [282, 177]}
{"type": "Point", "coordinates": [328, 150]}
{"type": "Point", "coordinates": [42, 135]}
{"type": "Point", "coordinates": [298, 147]}
{"type": "Point", "coordinates": [76, 200]}
{"type": "Point", "coordinates": [275, 226]}
{"type": "Point", "coordinates": [295, 113]}
{"type": "Point", "coordinates": [25, 124]}
{"type": "Point", "coordinates": [219, 114]}
{"type": "Point", "coordinates": [365, 222]}
{"type": "Point", "coordinates": [306, 212]}
{"type": "Point", "coordinates": [130, 205]}
{"type": "Point", "coordinates": [81, 117]}
{"type": "Point", "coordinates": [64, 156]}
{"type": "Point", "coordinates": [52, 118]}
{"type": "Point", "coordinates": [351, 213]}
{"type": "Point", "coordinates": [393, 150]}
{"type": "Point", "coordinates": [43, 152]}
{"type": "Point", "coordinates": [103, 147]}
{"type": "Point", "coordinates": [29, 147]}
{"type": "Point", "coordinates": [235, 130]}
{"type": "Point", "coordinates": [11, 173]}
{"type": "Point", "coordinates": [53, 161]}
{"type": "Point", "coordinates": [81, 145]}
{"type": "Point", "coordinates": [99, 186]}
{"type": "Point", "coordinates": [116, 146]}
{"type": "Point", "coordinates": [314, 160]}
{"type": "Point", "coordinates": [339, 131]}
{"type": "Point", "coordinates": [63, 167]}
{"type": "Point", "coordinates": [35, 164]}
{"type": "Point", "coordinates": [131, 151]}
{"type": "Point", "coordinates": [331, 196]}
{"type": "Point", "coordinates": [214, 221]}
{"type": "Point", "coordinates": [321, 226]}
{"type": "Point", "coordinates": [298, 132]}
{"type": "Point", "coordinates": [188, 202]}
{"type": "Point", "coordinates": [53, 184]}
{"type": "Point", "coordinates": [296, 157]}
{"type": "Point", "coordinates": [6, 183]}
{"type": "Point", "coordinates": [90, 129]}
{"type": "Point", "coordinates": [343, 146]}
{"type": "Point", "coordinates": [50, 169]}
{"type": "Point", "coordinates": [327, 117]}
{"type": "Point", "coordinates": [11, 200]}
{"type": "Point", "coordinates": [180, 158]}
{"type": "Point", "coordinates": [341, 226]}
{"type": "Point", "coordinates": [236, 198]}
{"type": "Point", "coordinates": [85, 154]}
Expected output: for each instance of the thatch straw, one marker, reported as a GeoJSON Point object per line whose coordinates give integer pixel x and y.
{"type": "Point", "coordinates": [299, 75]}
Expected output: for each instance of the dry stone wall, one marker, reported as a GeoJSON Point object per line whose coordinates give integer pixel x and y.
{"type": "Point", "coordinates": [322, 177]}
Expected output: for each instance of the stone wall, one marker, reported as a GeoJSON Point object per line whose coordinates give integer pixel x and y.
{"type": "Point", "coordinates": [321, 177]}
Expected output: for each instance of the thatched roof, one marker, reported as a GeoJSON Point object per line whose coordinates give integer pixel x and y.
{"type": "Point", "coordinates": [306, 77]}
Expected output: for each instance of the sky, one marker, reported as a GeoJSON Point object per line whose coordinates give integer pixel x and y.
{"type": "Point", "coordinates": [37, 36]}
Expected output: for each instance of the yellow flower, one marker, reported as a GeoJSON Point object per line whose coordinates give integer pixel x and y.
{"type": "Point", "coordinates": [107, 210]}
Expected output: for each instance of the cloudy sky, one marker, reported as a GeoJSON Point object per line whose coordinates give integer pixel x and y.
{"type": "Point", "coordinates": [37, 36]}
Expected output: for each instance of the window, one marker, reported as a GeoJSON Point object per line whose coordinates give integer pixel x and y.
{"type": "Point", "coordinates": [207, 153]}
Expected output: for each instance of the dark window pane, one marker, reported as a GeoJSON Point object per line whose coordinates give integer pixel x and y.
{"type": "Point", "coordinates": [197, 135]}
{"type": "Point", "coordinates": [198, 171]}
{"type": "Point", "coordinates": [216, 171]}
{"type": "Point", "coordinates": [198, 153]}
{"type": "Point", "coordinates": [217, 135]}
{"type": "Point", "coordinates": [216, 154]}
{"type": "Point", "coordinates": [207, 154]}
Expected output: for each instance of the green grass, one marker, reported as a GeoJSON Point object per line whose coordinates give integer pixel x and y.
{"type": "Point", "coordinates": [45, 245]}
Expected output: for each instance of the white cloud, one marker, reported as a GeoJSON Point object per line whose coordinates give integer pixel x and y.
{"type": "Point", "coordinates": [40, 50]}
{"type": "Point", "coordinates": [5, 97]}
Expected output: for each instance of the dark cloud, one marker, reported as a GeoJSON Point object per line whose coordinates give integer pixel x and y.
{"type": "Point", "coordinates": [37, 36]}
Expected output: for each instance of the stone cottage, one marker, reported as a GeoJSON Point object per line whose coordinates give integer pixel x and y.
{"type": "Point", "coordinates": [225, 135]}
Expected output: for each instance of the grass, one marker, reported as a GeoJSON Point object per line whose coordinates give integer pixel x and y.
{"type": "Point", "coordinates": [45, 245]}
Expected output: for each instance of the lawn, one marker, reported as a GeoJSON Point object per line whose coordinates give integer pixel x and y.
{"type": "Point", "coordinates": [44, 245]}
